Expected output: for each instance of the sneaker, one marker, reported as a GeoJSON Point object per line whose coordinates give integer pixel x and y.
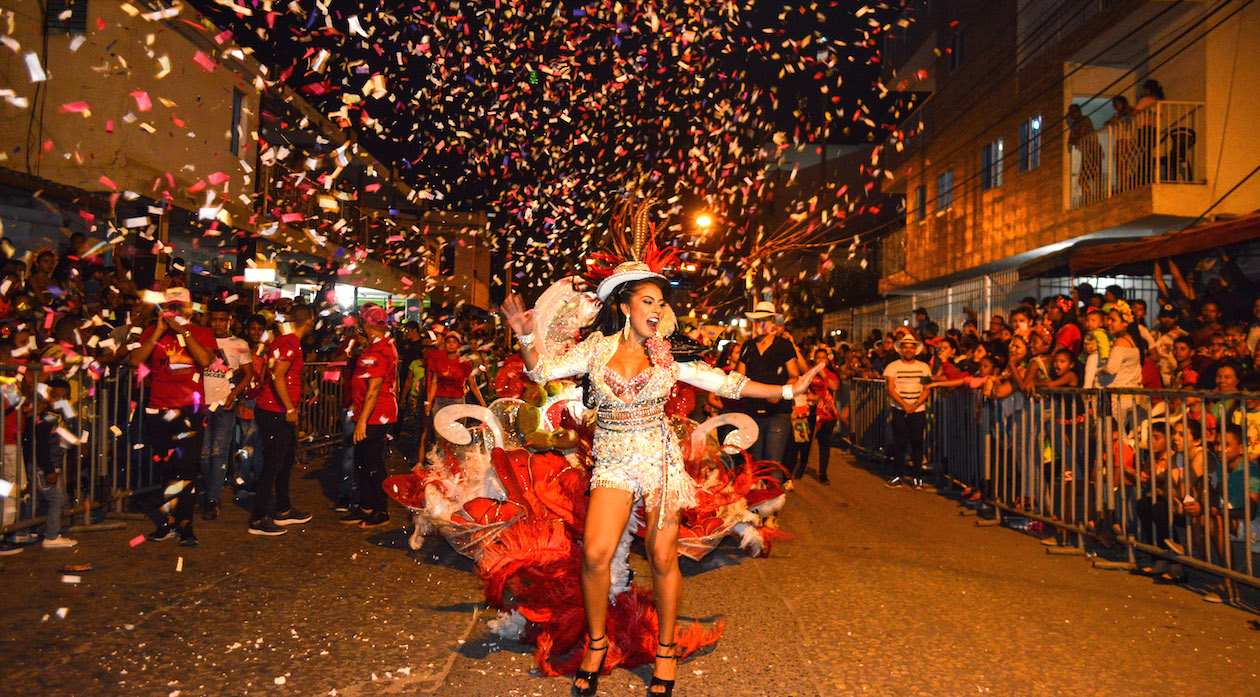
{"type": "Point", "coordinates": [343, 504]}
{"type": "Point", "coordinates": [211, 512]}
{"type": "Point", "coordinates": [895, 483]}
{"type": "Point", "coordinates": [266, 527]}
{"type": "Point", "coordinates": [188, 540]}
{"type": "Point", "coordinates": [58, 543]}
{"type": "Point", "coordinates": [8, 548]}
{"type": "Point", "coordinates": [292, 517]}
{"type": "Point", "coordinates": [354, 516]}
{"type": "Point", "coordinates": [375, 520]}
{"type": "Point", "coordinates": [24, 538]}
{"type": "Point", "coordinates": [162, 533]}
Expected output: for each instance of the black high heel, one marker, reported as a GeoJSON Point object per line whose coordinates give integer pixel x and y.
{"type": "Point", "coordinates": [592, 679]}
{"type": "Point", "coordinates": [667, 684]}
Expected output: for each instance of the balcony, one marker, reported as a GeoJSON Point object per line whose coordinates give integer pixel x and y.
{"type": "Point", "coordinates": [1153, 147]}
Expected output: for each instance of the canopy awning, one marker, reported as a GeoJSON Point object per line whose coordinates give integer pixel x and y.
{"type": "Point", "coordinates": [1133, 256]}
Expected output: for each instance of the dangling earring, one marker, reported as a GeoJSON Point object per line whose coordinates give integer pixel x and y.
{"type": "Point", "coordinates": [625, 329]}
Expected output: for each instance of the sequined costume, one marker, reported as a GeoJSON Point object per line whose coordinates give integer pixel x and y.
{"type": "Point", "coordinates": [634, 448]}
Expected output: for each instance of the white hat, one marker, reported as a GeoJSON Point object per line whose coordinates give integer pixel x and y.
{"type": "Point", "coordinates": [763, 310]}
{"type": "Point", "coordinates": [907, 339]}
{"type": "Point", "coordinates": [177, 295]}
{"type": "Point", "coordinates": [625, 272]}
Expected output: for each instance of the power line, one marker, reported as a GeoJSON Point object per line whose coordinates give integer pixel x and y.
{"type": "Point", "coordinates": [1169, 237]}
{"type": "Point", "coordinates": [1061, 120]}
{"type": "Point", "coordinates": [955, 193]}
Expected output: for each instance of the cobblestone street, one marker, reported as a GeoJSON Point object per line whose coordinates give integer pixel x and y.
{"type": "Point", "coordinates": [882, 592]}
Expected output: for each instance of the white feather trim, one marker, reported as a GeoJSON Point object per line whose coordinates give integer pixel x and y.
{"type": "Point", "coordinates": [620, 571]}
{"type": "Point", "coordinates": [508, 625]}
{"type": "Point", "coordinates": [770, 507]}
{"type": "Point", "coordinates": [750, 538]}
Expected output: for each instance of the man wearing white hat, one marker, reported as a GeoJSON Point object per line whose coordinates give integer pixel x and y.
{"type": "Point", "coordinates": [909, 380]}
{"type": "Point", "coordinates": [771, 359]}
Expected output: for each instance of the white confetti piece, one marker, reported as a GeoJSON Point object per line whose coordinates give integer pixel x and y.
{"type": "Point", "coordinates": [34, 68]}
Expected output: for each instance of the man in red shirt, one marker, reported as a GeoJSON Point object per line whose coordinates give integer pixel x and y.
{"type": "Point", "coordinates": [276, 414]}
{"type": "Point", "coordinates": [374, 406]}
{"type": "Point", "coordinates": [174, 351]}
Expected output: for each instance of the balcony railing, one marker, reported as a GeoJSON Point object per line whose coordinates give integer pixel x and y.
{"type": "Point", "coordinates": [1152, 146]}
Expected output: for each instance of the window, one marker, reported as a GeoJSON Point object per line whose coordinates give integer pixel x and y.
{"type": "Point", "coordinates": [945, 191]}
{"type": "Point", "coordinates": [1030, 144]}
{"type": "Point", "coordinates": [66, 17]}
{"type": "Point", "coordinates": [446, 266]}
{"type": "Point", "coordinates": [956, 51]}
{"type": "Point", "coordinates": [238, 101]}
{"type": "Point", "coordinates": [920, 202]}
{"type": "Point", "coordinates": [991, 157]}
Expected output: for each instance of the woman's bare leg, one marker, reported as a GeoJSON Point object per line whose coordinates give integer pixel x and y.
{"type": "Point", "coordinates": [662, 548]}
{"type": "Point", "coordinates": [605, 520]}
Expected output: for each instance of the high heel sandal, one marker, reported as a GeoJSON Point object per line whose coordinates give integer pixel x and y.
{"type": "Point", "coordinates": [667, 684]}
{"type": "Point", "coordinates": [591, 678]}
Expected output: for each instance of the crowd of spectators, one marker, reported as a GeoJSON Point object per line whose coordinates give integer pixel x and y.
{"type": "Point", "coordinates": [1200, 349]}
{"type": "Point", "coordinates": [221, 382]}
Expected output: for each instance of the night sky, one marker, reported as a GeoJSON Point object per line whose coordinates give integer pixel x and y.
{"type": "Point", "coordinates": [545, 113]}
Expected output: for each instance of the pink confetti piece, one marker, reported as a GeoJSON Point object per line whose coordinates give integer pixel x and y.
{"type": "Point", "coordinates": [206, 62]}
{"type": "Point", "coordinates": [108, 182]}
{"type": "Point", "coordinates": [143, 103]}
{"type": "Point", "coordinates": [75, 108]}
{"type": "Point", "coordinates": [136, 540]}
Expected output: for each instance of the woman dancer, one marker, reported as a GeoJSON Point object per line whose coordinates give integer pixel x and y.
{"type": "Point", "coordinates": [631, 371]}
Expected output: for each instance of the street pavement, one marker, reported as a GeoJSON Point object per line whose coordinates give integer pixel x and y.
{"type": "Point", "coordinates": [880, 592]}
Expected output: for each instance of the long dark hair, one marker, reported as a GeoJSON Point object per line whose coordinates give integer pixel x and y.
{"type": "Point", "coordinates": [611, 319]}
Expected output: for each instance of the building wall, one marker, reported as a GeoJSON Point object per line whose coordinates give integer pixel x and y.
{"type": "Point", "coordinates": [190, 114]}
{"type": "Point", "coordinates": [1031, 209]}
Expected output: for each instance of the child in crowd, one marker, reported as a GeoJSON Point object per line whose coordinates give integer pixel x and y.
{"type": "Point", "coordinates": [1093, 328]}
{"type": "Point", "coordinates": [53, 438]}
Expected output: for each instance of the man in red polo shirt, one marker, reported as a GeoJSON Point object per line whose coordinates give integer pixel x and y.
{"type": "Point", "coordinates": [175, 351]}
{"type": "Point", "coordinates": [374, 399]}
{"type": "Point", "coordinates": [276, 414]}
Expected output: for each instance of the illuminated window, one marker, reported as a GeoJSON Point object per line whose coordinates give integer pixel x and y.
{"type": "Point", "coordinates": [991, 158]}
{"type": "Point", "coordinates": [1030, 144]}
{"type": "Point", "coordinates": [945, 191]}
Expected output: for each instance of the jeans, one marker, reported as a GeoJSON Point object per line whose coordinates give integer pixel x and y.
{"type": "Point", "coordinates": [369, 465]}
{"type": "Point", "coordinates": [220, 429]}
{"type": "Point", "coordinates": [176, 447]}
{"type": "Point", "coordinates": [773, 433]}
{"type": "Point", "coordinates": [798, 453]}
{"type": "Point", "coordinates": [907, 433]}
{"type": "Point", "coordinates": [348, 487]}
{"type": "Point", "coordinates": [12, 472]}
{"type": "Point", "coordinates": [55, 496]}
{"type": "Point", "coordinates": [251, 455]}
{"type": "Point", "coordinates": [279, 452]}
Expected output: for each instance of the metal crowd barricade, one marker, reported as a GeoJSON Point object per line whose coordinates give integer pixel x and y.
{"type": "Point", "coordinates": [107, 461]}
{"type": "Point", "coordinates": [868, 417]}
{"type": "Point", "coordinates": [321, 410]}
{"type": "Point", "coordinates": [1165, 472]}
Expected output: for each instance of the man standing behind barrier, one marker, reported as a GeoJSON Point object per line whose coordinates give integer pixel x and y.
{"type": "Point", "coordinates": [277, 416]}
{"type": "Point", "coordinates": [375, 407]}
{"type": "Point", "coordinates": [771, 359]}
{"type": "Point", "coordinates": [908, 384]}
{"type": "Point", "coordinates": [225, 380]}
{"type": "Point", "coordinates": [175, 351]}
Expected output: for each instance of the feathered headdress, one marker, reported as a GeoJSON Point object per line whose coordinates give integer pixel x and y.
{"type": "Point", "coordinates": [635, 253]}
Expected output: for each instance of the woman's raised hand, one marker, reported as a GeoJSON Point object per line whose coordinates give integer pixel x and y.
{"type": "Point", "coordinates": [803, 382]}
{"type": "Point", "coordinates": [514, 313]}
